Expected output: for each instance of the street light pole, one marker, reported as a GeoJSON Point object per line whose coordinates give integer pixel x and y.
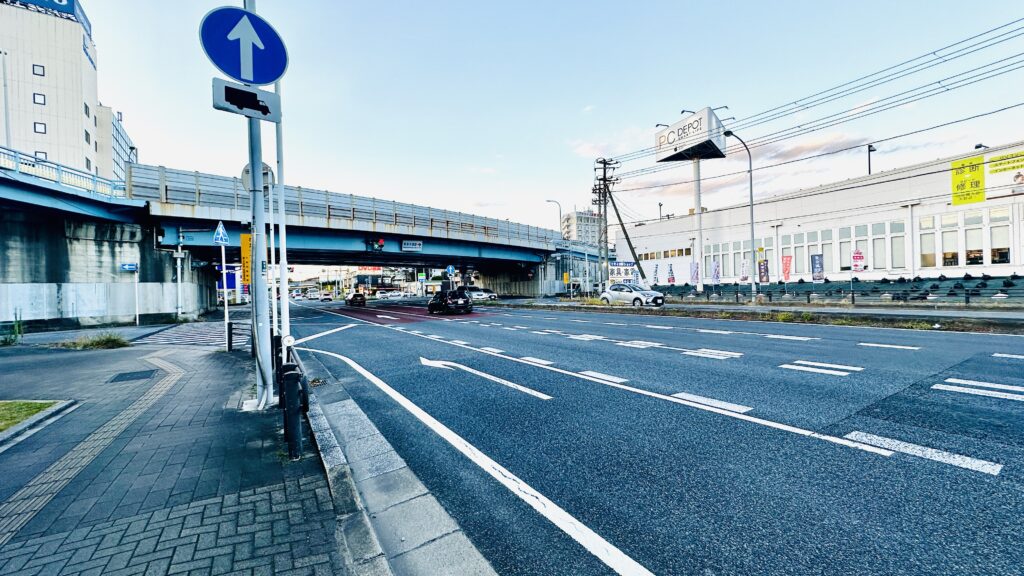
{"type": "Point", "coordinates": [753, 246]}
{"type": "Point", "coordinates": [562, 233]}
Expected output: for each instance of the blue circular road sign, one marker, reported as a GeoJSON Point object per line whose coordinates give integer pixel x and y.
{"type": "Point", "coordinates": [243, 46]}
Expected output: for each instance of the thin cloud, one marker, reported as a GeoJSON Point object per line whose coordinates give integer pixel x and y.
{"type": "Point", "coordinates": [588, 109]}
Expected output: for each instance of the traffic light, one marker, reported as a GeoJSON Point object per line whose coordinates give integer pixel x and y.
{"type": "Point", "coordinates": [375, 245]}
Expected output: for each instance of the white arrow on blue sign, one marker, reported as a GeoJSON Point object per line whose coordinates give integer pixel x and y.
{"type": "Point", "coordinates": [221, 235]}
{"type": "Point", "coordinates": [132, 267]}
{"type": "Point", "coordinates": [450, 270]}
{"type": "Point", "coordinates": [243, 46]}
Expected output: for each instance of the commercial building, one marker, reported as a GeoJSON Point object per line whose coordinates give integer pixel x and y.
{"type": "Point", "coordinates": [582, 226]}
{"type": "Point", "coordinates": [952, 216]}
{"type": "Point", "coordinates": [49, 106]}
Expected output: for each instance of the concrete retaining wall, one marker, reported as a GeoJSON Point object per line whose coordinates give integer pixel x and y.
{"type": "Point", "coordinates": [59, 271]}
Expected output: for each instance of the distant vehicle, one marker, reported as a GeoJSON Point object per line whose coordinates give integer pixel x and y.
{"type": "Point", "coordinates": [481, 293]}
{"type": "Point", "coordinates": [389, 295]}
{"type": "Point", "coordinates": [355, 299]}
{"type": "Point", "coordinates": [245, 100]}
{"type": "Point", "coordinates": [296, 295]}
{"type": "Point", "coordinates": [451, 301]}
{"type": "Point", "coordinates": [313, 294]}
{"type": "Point", "coordinates": [327, 297]}
{"type": "Point", "coordinates": [633, 295]}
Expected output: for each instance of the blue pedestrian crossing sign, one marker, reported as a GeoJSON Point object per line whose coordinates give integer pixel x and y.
{"type": "Point", "coordinates": [243, 46]}
{"type": "Point", "coordinates": [221, 235]}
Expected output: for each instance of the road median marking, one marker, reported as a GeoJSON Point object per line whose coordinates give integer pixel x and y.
{"type": "Point", "coordinates": [324, 333]}
{"type": "Point", "coordinates": [591, 541]}
{"type": "Point", "coordinates": [456, 366]}
{"type": "Point", "coordinates": [929, 453]}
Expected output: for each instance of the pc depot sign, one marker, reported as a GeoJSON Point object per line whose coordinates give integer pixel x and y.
{"type": "Point", "coordinates": [699, 136]}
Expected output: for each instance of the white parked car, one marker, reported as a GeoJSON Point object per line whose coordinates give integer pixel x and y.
{"type": "Point", "coordinates": [389, 295]}
{"type": "Point", "coordinates": [481, 293]}
{"type": "Point", "coordinates": [632, 295]}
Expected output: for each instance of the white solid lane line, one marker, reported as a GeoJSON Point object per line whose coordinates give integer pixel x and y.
{"type": "Point", "coordinates": [784, 337]}
{"type": "Point", "coordinates": [495, 350]}
{"type": "Point", "coordinates": [604, 377]}
{"type": "Point", "coordinates": [1014, 356]}
{"type": "Point", "coordinates": [616, 324]}
{"type": "Point", "coordinates": [540, 361]}
{"type": "Point", "coordinates": [454, 365]}
{"type": "Point", "coordinates": [815, 370]}
{"type": "Point", "coordinates": [540, 332]}
{"type": "Point", "coordinates": [579, 321]}
{"type": "Point", "coordinates": [656, 327]}
{"type": "Point", "coordinates": [590, 540]}
{"type": "Point", "coordinates": [713, 402]}
{"type": "Point", "coordinates": [926, 452]}
{"type": "Point", "coordinates": [704, 331]}
{"type": "Point", "coordinates": [893, 346]}
{"type": "Point", "coordinates": [832, 366]}
{"type": "Point", "coordinates": [324, 333]}
{"type": "Point", "coordinates": [650, 394]}
{"type": "Point", "coordinates": [459, 342]}
{"type": "Point", "coordinates": [986, 384]}
{"type": "Point", "coordinates": [979, 392]}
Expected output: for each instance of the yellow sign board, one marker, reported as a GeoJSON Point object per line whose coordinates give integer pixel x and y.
{"type": "Point", "coordinates": [246, 258]}
{"type": "Point", "coordinates": [565, 277]}
{"type": "Point", "coordinates": [968, 180]}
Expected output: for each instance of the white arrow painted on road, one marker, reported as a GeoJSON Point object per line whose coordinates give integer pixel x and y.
{"type": "Point", "coordinates": [388, 317]}
{"type": "Point", "coordinates": [452, 366]}
{"type": "Point", "coordinates": [247, 38]}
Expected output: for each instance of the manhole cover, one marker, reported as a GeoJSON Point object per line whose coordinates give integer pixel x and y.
{"type": "Point", "coordinates": [126, 376]}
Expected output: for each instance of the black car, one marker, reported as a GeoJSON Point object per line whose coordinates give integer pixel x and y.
{"type": "Point", "coordinates": [355, 299]}
{"type": "Point", "coordinates": [450, 302]}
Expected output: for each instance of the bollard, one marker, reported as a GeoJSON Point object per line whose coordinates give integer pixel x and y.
{"type": "Point", "coordinates": [769, 297]}
{"type": "Point", "coordinates": [737, 296]}
{"type": "Point", "coordinates": [292, 414]}
{"type": "Point", "coordinates": [281, 371]}
{"type": "Point", "coordinates": [967, 297]}
{"type": "Point", "coordinates": [808, 297]}
{"type": "Point", "coordinates": [231, 335]}
{"type": "Point", "coordinates": [707, 296]}
{"type": "Point", "coordinates": [275, 355]}
{"type": "Point", "coordinates": [853, 298]}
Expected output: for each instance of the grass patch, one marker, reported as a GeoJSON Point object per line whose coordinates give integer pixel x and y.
{"type": "Point", "coordinates": [101, 341]}
{"type": "Point", "coordinates": [13, 335]}
{"type": "Point", "coordinates": [14, 411]}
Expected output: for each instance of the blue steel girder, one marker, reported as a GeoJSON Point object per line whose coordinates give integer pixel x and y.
{"type": "Point", "coordinates": [44, 194]}
{"type": "Point", "coordinates": [352, 244]}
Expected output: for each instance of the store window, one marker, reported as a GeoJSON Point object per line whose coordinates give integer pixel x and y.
{"type": "Point", "coordinates": [973, 218]}
{"type": "Point", "coordinates": [999, 215]}
{"type": "Point", "coordinates": [786, 239]}
{"type": "Point", "coordinates": [950, 220]}
{"type": "Point", "coordinates": [844, 233]}
{"type": "Point", "coordinates": [899, 251]}
{"type": "Point", "coordinates": [896, 227]}
{"type": "Point", "coordinates": [878, 252]}
{"type": "Point", "coordinates": [928, 250]}
{"type": "Point", "coordinates": [812, 236]}
{"type": "Point", "coordinates": [41, 155]}
{"type": "Point", "coordinates": [826, 234]}
{"type": "Point", "coordinates": [826, 257]}
{"type": "Point", "coordinates": [800, 260]}
{"type": "Point", "coordinates": [878, 229]}
{"type": "Point", "coordinates": [950, 250]}
{"type": "Point", "coordinates": [861, 231]}
{"type": "Point", "coordinates": [844, 254]}
{"type": "Point", "coordinates": [38, 98]}
{"type": "Point", "coordinates": [974, 250]}
{"type": "Point", "coordinates": [1000, 252]}
{"type": "Point", "coordinates": [798, 238]}
{"type": "Point", "coordinates": [38, 70]}
{"type": "Point", "coordinates": [769, 242]}
{"type": "Point", "coordinates": [39, 127]}
{"type": "Point", "coordinates": [927, 222]}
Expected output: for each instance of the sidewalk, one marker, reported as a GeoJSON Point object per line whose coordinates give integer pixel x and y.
{"type": "Point", "coordinates": [155, 470]}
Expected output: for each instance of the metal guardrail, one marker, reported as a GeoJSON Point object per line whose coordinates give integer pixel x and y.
{"type": "Point", "coordinates": [22, 163]}
{"type": "Point", "coordinates": [207, 190]}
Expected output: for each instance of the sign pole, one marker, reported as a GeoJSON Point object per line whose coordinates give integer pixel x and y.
{"type": "Point", "coordinates": [224, 280]}
{"type": "Point", "coordinates": [136, 296]}
{"type": "Point", "coordinates": [282, 226]}
{"type": "Point", "coordinates": [699, 247]}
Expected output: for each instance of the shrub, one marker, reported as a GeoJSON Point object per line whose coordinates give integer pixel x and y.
{"type": "Point", "coordinates": [785, 316]}
{"type": "Point", "coordinates": [13, 335]}
{"type": "Point", "coordinates": [101, 341]}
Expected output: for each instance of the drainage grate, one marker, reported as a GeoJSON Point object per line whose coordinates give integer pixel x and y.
{"type": "Point", "coordinates": [126, 376]}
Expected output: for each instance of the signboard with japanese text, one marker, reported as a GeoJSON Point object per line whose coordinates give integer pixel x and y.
{"type": "Point", "coordinates": [968, 180]}
{"type": "Point", "coordinates": [246, 258]}
{"type": "Point", "coordinates": [818, 268]}
{"type": "Point", "coordinates": [762, 272]}
{"type": "Point", "coordinates": [787, 267]}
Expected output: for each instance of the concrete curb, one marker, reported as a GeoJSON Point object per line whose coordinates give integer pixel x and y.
{"type": "Point", "coordinates": [31, 421]}
{"type": "Point", "coordinates": [360, 548]}
{"type": "Point", "coordinates": [400, 526]}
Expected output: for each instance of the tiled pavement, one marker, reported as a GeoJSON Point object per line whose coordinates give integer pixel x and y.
{"type": "Point", "coordinates": [180, 481]}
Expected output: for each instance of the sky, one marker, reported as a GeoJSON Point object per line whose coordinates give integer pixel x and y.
{"type": "Point", "coordinates": [495, 107]}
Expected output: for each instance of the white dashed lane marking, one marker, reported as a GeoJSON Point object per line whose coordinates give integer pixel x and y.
{"type": "Point", "coordinates": [785, 337]}
{"type": "Point", "coordinates": [656, 327]}
{"type": "Point", "coordinates": [716, 354]}
{"type": "Point", "coordinates": [605, 377]}
{"type": "Point", "coordinates": [713, 402]}
{"type": "Point", "coordinates": [821, 368]}
{"type": "Point", "coordinates": [540, 361]}
{"type": "Point", "coordinates": [494, 350]}
{"type": "Point", "coordinates": [894, 346]}
{"type": "Point", "coordinates": [926, 452]}
{"type": "Point", "coordinates": [1013, 356]}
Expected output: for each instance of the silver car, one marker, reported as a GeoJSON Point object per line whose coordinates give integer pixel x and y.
{"type": "Point", "coordinates": [633, 295]}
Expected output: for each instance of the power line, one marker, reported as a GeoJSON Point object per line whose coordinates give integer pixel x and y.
{"type": "Point", "coordinates": [873, 80]}
{"type": "Point", "coordinates": [831, 152]}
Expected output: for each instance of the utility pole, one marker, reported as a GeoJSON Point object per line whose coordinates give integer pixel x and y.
{"type": "Point", "coordinates": [604, 192]}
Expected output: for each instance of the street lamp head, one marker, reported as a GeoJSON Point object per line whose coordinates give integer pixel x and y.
{"type": "Point", "coordinates": [980, 146]}
{"type": "Point", "coordinates": [871, 148]}
{"type": "Point", "coordinates": [687, 112]}
{"type": "Point", "coordinates": [728, 133]}
{"type": "Point", "coordinates": [661, 125]}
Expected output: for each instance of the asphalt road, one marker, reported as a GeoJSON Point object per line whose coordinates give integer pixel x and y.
{"type": "Point", "coordinates": [585, 443]}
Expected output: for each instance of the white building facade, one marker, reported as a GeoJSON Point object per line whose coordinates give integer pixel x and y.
{"type": "Point", "coordinates": [49, 107]}
{"type": "Point", "coordinates": [952, 216]}
{"type": "Point", "coordinates": [582, 226]}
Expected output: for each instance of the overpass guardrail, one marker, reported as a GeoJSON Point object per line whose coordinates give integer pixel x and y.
{"type": "Point", "coordinates": [22, 163]}
{"type": "Point", "coordinates": [324, 208]}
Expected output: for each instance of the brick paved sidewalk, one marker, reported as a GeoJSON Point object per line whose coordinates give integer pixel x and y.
{"type": "Point", "coordinates": [156, 472]}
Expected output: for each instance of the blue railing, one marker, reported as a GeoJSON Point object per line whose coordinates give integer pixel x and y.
{"type": "Point", "coordinates": [22, 163]}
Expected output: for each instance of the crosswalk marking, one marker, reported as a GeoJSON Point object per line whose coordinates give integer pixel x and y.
{"type": "Point", "coordinates": [201, 334]}
{"type": "Point", "coordinates": [985, 384]}
{"type": "Point", "coordinates": [980, 392]}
